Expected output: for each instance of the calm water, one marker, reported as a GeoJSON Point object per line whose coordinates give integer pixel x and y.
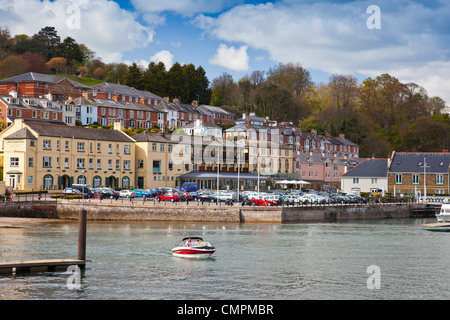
{"type": "Point", "coordinates": [132, 260]}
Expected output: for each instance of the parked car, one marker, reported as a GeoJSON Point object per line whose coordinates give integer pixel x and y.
{"type": "Point", "coordinates": [87, 190]}
{"type": "Point", "coordinates": [168, 196]}
{"type": "Point", "coordinates": [141, 193]}
{"type": "Point", "coordinates": [70, 191]}
{"type": "Point", "coordinates": [207, 197]}
{"type": "Point", "coordinates": [308, 199]}
{"type": "Point", "coordinates": [102, 194]}
{"type": "Point", "coordinates": [126, 194]}
{"type": "Point", "coordinates": [114, 193]}
{"type": "Point", "coordinates": [260, 202]}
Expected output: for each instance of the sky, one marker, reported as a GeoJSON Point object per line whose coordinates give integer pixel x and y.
{"type": "Point", "coordinates": [408, 39]}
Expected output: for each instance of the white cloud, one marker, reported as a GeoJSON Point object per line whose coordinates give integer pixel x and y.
{"type": "Point", "coordinates": [334, 38]}
{"type": "Point", "coordinates": [165, 57]}
{"type": "Point", "coordinates": [231, 58]}
{"type": "Point", "coordinates": [99, 24]}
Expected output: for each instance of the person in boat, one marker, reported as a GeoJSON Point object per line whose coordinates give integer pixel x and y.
{"type": "Point", "coordinates": [188, 243]}
{"type": "Point", "coordinates": [196, 243]}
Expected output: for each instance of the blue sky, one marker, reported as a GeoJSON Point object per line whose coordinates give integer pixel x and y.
{"type": "Point", "coordinates": [412, 41]}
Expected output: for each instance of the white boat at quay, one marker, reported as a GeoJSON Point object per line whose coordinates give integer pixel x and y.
{"type": "Point", "coordinates": [444, 213]}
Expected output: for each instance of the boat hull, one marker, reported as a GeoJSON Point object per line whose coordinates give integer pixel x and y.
{"type": "Point", "coordinates": [444, 213]}
{"type": "Point", "coordinates": [190, 252]}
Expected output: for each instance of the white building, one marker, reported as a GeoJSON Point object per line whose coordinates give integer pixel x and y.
{"type": "Point", "coordinates": [207, 129]}
{"type": "Point", "coordinates": [369, 175]}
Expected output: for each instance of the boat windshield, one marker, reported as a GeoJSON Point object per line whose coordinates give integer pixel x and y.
{"type": "Point", "coordinates": [194, 243]}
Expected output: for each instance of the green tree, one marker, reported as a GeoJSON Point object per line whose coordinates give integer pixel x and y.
{"type": "Point", "coordinates": [6, 43]}
{"type": "Point", "coordinates": [175, 81]}
{"type": "Point", "coordinates": [133, 77]}
{"type": "Point", "coordinates": [115, 72]}
{"type": "Point", "coordinates": [50, 41]}
{"type": "Point", "coordinates": [154, 79]}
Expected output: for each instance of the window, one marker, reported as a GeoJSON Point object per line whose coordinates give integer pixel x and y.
{"type": "Point", "coordinates": [154, 147]}
{"type": "Point", "coordinates": [156, 166]}
{"type": "Point", "coordinates": [126, 149]}
{"type": "Point", "coordinates": [170, 165]}
{"type": "Point", "coordinates": [398, 179]}
{"type": "Point", "coordinates": [81, 179]}
{"type": "Point", "coordinates": [80, 163]}
{"type": "Point", "coordinates": [97, 182]}
{"type": "Point", "coordinates": [30, 179]}
{"type": "Point", "coordinates": [355, 180]}
{"type": "Point", "coordinates": [117, 164]}
{"type": "Point", "coordinates": [415, 179]}
{"type": "Point", "coordinates": [162, 147]}
{"type": "Point", "coordinates": [125, 182]}
{"type": "Point", "coordinates": [67, 145]}
{"type": "Point", "coordinates": [91, 163]}
{"type": "Point", "coordinates": [80, 146]}
{"type": "Point", "coordinates": [109, 148]}
{"type": "Point", "coordinates": [374, 181]}
{"type": "Point", "coordinates": [47, 144]}
{"type": "Point", "coordinates": [99, 148]}
{"type": "Point", "coordinates": [439, 179]}
{"type": "Point", "coordinates": [31, 162]}
{"type": "Point", "coordinates": [66, 163]}
{"type": "Point", "coordinates": [126, 164]}
{"type": "Point", "coordinates": [99, 164]}
{"type": "Point", "coordinates": [109, 164]}
{"type": "Point", "coordinates": [46, 162]}
{"type": "Point", "coordinates": [169, 148]}
{"type": "Point", "coordinates": [14, 162]}
{"type": "Point", "coordinates": [32, 142]}
{"type": "Point", "coordinates": [140, 163]}
{"type": "Point", "coordinates": [48, 181]}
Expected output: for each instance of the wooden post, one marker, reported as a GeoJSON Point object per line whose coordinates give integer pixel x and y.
{"type": "Point", "coordinates": [82, 235]}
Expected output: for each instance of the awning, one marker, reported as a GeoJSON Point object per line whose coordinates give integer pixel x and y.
{"type": "Point", "coordinates": [14, 172]}
{"type": "Point", "coordinates": [291, 182]}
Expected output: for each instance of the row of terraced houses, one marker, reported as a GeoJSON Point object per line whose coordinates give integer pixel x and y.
{"type": "Point", "coordinates": [46, 144]}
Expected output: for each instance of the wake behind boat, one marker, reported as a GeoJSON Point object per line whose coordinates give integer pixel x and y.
{"type": "Point", "coordinates": [194, 247]}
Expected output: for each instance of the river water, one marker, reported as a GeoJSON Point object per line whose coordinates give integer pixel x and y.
{"type": "Point", "coordinates": [132, 260]}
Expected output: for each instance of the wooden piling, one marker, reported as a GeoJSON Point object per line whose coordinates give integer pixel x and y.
{"type": "Point", "coordinates": [82, 235]}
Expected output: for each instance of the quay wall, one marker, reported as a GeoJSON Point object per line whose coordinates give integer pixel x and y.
{"type": "Point", "coordinates": [135, 211]}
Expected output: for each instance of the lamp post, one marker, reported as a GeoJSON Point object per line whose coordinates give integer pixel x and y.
{"type": "Point", "coordinates": [425, 178]}
{"type": "Point", "coordinates": [218, 166]}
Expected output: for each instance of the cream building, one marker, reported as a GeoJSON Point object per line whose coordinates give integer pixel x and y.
{"type": "Point", "coordinates": [155, 167]}
{"type": "Point", "coordinates": [40, 155]}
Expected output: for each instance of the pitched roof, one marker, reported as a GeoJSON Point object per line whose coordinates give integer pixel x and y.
{"type": "Point", "coordinates": [151, 137]}
{"type": "Point", "coordinates": [23, 133]}
{"type": "Point", "coordinates": [65, 131]}
{"type": "Point", "coordinates": [376, 168]}
{"type": "Point", "coordinates": [40, 77]}
{"type": "Point", "coordinates": [405, 162]}
{"type": "Point", "coordinates": [123, 90]}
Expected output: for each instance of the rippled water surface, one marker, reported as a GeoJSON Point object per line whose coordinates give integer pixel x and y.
{"type": "Point", "coordinates": [132, 260]}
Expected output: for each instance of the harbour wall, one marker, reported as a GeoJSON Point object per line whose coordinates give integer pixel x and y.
{"type": "Point", "coordinates": [122, 211]}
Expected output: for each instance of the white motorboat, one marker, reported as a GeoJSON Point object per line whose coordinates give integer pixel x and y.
{"type": "Point", "coordinates": [194, 247]}
{"type": "Point", "coordinates": [444, 213]}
